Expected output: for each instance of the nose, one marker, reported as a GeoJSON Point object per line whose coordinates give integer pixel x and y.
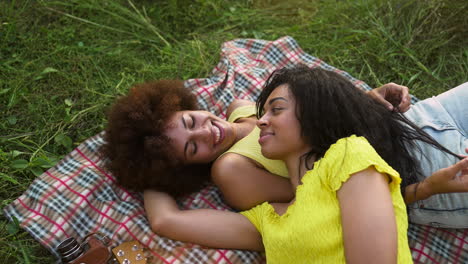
{"type": "Point", "coordinates": [203, 134]}
{"type": "Point", "coordinates": [262, 122]}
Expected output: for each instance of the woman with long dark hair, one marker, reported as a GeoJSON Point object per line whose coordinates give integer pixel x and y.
{"type": "Point", "coordinates": [339, 147]}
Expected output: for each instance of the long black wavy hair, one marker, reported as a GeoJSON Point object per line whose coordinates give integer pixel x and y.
{"type": "Point", "coordinates": [330, 107]}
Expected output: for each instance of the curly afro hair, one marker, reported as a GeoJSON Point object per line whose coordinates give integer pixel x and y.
{"type": "Point", "coordinates": [138, 153]}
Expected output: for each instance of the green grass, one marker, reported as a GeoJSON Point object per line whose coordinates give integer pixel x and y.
{"type": "Point", "coordinates": [63, 62]}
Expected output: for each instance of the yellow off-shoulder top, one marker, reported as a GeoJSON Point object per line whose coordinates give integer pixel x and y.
{"type": "Point", "coordinates": [310, 231]}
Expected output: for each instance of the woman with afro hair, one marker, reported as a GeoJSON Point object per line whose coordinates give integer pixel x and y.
{"type": "Point", "coordinates": [139, 153]}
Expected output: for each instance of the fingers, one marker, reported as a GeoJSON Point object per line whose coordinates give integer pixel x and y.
{"type": "Point", "coordinates": [401, 96]}
{"type": "Point", "coordinates": [459, 179]}
{"type": "Point", "coordinates": [452, 172]}
{"type": "Point", "coordinates": [465, 166]}
{"type": "Point", "coordinates": [378, 94]}
{"type": "Point", "coordinates": [460, 168]}
{"type": "Point", "coordinates": [405, 102]}
{"type": "Point", "coordinates": [396, 95]}
{"type": "Point", "coordinates": [385, 103]}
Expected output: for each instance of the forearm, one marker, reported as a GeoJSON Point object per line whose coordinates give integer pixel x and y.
{"type": "Point", "coordinates": [447, 180]}
{"type": "Point", "coordinates": [207, 227]}
{"type": "Point", "coordinates": [213, 228]}
{"type": "Point", "coordinates": [416, 192]}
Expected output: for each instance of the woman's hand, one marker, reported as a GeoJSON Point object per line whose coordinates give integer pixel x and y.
{"type": "Point", "coordinates": [447, 180]}
{"type": "Point", "coordinates": [393, 96]}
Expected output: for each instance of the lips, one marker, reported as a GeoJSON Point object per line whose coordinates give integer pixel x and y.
{"type": "Point", "coordinates": [264, 136]}
{"type": "Point", "coordinates": [218, 133]}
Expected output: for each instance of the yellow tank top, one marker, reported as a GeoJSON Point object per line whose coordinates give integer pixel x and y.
{"type": "Point", "coordinates": [310, 231]}
{"type": "Point", "coordinates": [249, 146]}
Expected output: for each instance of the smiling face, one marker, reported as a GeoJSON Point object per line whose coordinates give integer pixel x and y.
{"type": "Point", "coordinates": [199, 136]}
{"type": "Point", "coordinates": [280, 135]}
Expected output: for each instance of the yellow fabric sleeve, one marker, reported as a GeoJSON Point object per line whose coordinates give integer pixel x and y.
{"type": "Point", "coordinates": [256, 215]}
{"type": "Point", "coordinates": [351, 155]}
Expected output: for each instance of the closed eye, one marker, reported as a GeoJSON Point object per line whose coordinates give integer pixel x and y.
{"type": "Point", "coordinates": [276, 109]}
{"type": "Point", "coordinates": [193, 122]}
{"type": "Point", "coordinates": [194, 149]}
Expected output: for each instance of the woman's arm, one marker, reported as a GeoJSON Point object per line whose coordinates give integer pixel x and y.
{"type": "Point", "coordinates": [447, 180]}
{"type": "Point", "coordinates": [368, 218]}
{"type": "Point", "coordinates": [207, 227]}
{"type": "Point", "coordinates": [245, 185]}
{"type": "Point", "coordinates": [442, 181]}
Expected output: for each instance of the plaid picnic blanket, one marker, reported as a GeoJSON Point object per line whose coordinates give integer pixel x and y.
{"type": "Point", "coordinates": [78, 196]}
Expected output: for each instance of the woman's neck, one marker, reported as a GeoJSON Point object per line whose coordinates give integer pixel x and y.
{"type": "Point", "coordinates": [242, 129]}
{"type": "Point", "coordinates": [297, 166]}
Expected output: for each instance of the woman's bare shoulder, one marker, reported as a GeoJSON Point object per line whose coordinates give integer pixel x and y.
{"type": "Point", "coordinates": [232, 162]}
{"type": "Point", "coordinates": [236, 104]}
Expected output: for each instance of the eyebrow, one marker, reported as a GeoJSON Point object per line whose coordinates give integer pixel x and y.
{"type": "Point", "coordinates": [186, 143]}
{"type": "Point", "coordinates": [276, 99]}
